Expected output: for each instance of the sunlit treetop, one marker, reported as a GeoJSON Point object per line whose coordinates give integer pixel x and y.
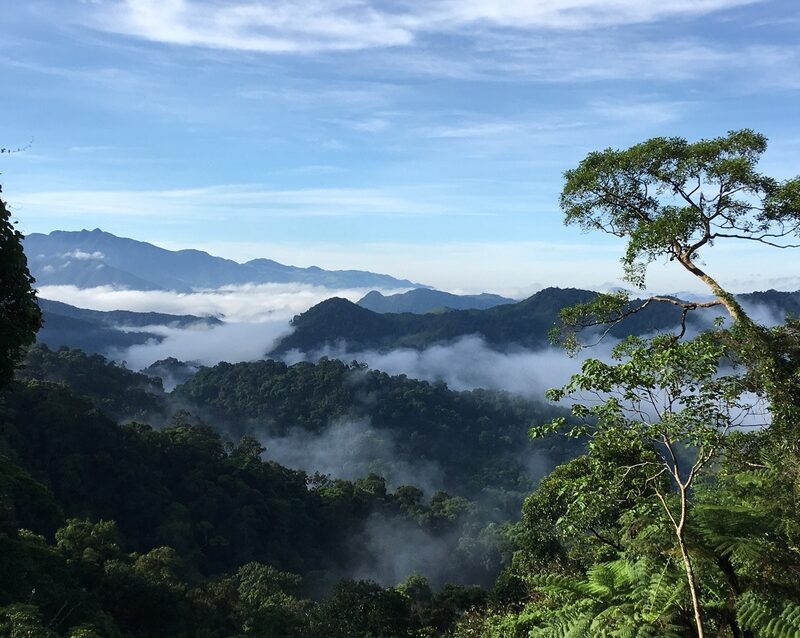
{"type": "Point", "coordinates": [670, 198]}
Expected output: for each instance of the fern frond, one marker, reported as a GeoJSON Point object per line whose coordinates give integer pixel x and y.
{"type": "Point", "coordinates": [768, 618]}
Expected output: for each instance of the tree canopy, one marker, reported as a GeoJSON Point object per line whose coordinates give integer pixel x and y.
{"type": "Point", "coordinates": [671, 198]}
{"type": "Point", "coordinates": [20, 316]}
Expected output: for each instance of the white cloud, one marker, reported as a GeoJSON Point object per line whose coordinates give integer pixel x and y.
{"type": "Point", "coordinates": [275, 27]}
{"type": "Point", "coordinates": [285, 26]}
{"type": "Point", "coordinates": [248, 303]}
{"type": "Point", "coordinates": [645, 113]}
{"type": "Point", "coordinates": [350, 449]}
{"type": "Point", "coordinates": [80, 255]}
{"type": "Point", "coordinates": [231, 342]}
{"type": "Point", "coordinates": [215, 202]}
{"type": "Point", "coordinates": [470, 363]}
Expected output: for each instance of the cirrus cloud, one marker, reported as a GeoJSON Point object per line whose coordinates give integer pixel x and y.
{"type": "Point", "coordinates": [282, 26]}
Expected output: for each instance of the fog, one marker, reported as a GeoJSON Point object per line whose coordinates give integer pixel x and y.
{"type": "Point", "coordinates": [351, 449]}
{"type": "Point", "coordinates": [390, 550]}
{"type": "Point", "coordinates": [249, 302]}
{"type": "Point", "coordinates": [207, 345]}
{"type": "Point", "coordinates": [470, 363]}
{"type": "Point", "coordinates": [257, 317]}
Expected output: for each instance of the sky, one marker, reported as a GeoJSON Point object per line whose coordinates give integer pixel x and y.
{"type": "Point", "coordinates": [427, 140]}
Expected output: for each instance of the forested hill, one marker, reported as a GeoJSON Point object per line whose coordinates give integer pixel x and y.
{"type": "Point", "coordinates": [124, 317]}
{"type": "Point", "coordinates": [97, 331]}
{"type": "Point", "coordinates": [153, 532]}
{"type": "Point", "coordinates": [525, 324]}
{"type": "Point", "coordinates": [777, 302]}
{"type": "Point", "coordinates": [126, 531]}
{"type": "Point", "coordinates": [337, 418]}
{"type": "Point", "coordinates": [424, 300]}
{"type": "Point", "coordinates": [464, 442]}
{"type": "Point", "coordinates": [336, 321]}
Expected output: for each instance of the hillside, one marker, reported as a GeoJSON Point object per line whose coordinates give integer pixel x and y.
{"type": "Point", "coordinates": [464, 442]}
{"type": "Point", "coordinates": [96, 258]}
{"type": "Point", "coordinates": [96, 331]}
{"type": "Point", "coordinates": [525, 323]}
{"type": "Point", "coordinates": [425, 300]}
{"type": "Point", "coordinates": [336, 321]}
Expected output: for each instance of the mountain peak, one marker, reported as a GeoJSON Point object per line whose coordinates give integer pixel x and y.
{"type": "Point", "coordinates": [138, 265]}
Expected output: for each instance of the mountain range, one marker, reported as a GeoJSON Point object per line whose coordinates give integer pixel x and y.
{"type": "Point", "coordinates": [87, 259]}
{"type": "Point", "coordinates": [524, 324]}
{"type": "Point", "coordinates": [336, 322]}
{"type": "Point", "coordinates": [425, 300]}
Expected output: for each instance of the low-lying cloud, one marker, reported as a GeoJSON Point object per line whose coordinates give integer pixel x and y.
{"type": "Point", "coordinates": [350, 449]}
{"type": "Point", "coordinates": [470, 363]}
{"type": "Point", "coordinates": [248, 302]}
{"type": "Point", "coordinates": [84, 256]}
{"type": "Point", "coordinates": [206, 345]}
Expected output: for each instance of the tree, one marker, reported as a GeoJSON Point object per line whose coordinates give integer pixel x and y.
{"type": "Point", "coordinates": [673, 199]}
{"type": "Point", "coordinates": [20, 317]}
{"type": "Point", "coordinates": [666, 394]}
{"type": "Point", "coordinates": [670, 198]}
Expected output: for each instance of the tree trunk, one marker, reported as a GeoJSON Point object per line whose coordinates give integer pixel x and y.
{"type": "Point", "coordinates": [726, 567]}
{"type": "Point", "coordinates": [726, 299]}
{"type": "Point", "coordinates": [691, 580]}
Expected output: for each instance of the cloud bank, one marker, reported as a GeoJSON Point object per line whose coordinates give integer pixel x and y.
{"type": "Point", "coordinates": [231, 342]}
{"type": "Point", "coordinates": [470, 363]}
{"type": "Point", "coordinates": [249, 302]}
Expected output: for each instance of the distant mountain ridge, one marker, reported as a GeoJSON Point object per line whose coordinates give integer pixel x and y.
{"type": "Point", "coordinates": [425, 300]}
{"type": "Point", "coordinates": [97, 331]}
{"type": "Point", "coordinates": [87, 259]}
{"type": "Point", "coordinates": [337, 322]}
{"type": "Point", "coordinates": [524, 324]}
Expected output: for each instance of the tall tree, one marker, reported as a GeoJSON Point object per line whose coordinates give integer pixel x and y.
{"type": "Point", "coordinates": [672, 199]}
{"type": "Point", "coordinates": [20, 316]}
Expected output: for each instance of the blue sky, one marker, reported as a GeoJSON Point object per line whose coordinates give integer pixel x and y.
{"type": "Point", "coordinates": [424, 139]}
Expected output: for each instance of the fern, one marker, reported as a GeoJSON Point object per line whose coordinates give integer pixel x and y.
{"type": "Point", "coordinates": [617, 599]}
{"type": "Point", "coordinates": [768, 618]}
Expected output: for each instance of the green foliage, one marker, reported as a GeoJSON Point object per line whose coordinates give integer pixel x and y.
{"type": "Point", "coordinates": [24, 501]}
{"type": "Point", "coordinates": [424, 421]}
{"type": "Point", "coordinates": [614, 599]}
{"type": "Point", "coordinates": [23, 621]}
{"type": "Point", "coordinates": [117, 391]}
{"type": "Point", "coordinates": [575, 509]}
{"type": "Point", "coordinates": [663, 390]}
{"type": "Point", "coordinates": [769, 618]}
{"type": "Point", "coordinates": [20, 317]}
{"type": "Point", "coordinates": [669, 197]}
{"type": "Point", "coordinates": [177, 534]}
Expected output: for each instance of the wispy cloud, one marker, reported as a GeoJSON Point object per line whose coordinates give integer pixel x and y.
{"type": "Point", "coordinates": [465, 126]}
{"type": "Point", "coordinates": [215, 202]}
{"type": "Point", "coordinates": [284, 26]}
{"type": "Point", "coordinates": [642, 112]}
{"type": "Point", "coordinates": [275, 27]}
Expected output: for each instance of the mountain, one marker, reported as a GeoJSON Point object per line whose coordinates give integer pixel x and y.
{"type": "Point", "coordinates": [777, 302]}
{"type": "Point", "coordinates": [97, 331]}
{"type": "Point", "coordinates": [95, 258]}
{"type": "Point", "coordinates": [350, 420]}
{"type": "Point", "coordinates": [425, 300]}
{"type": "Point", "coordinates": [526, 323]}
